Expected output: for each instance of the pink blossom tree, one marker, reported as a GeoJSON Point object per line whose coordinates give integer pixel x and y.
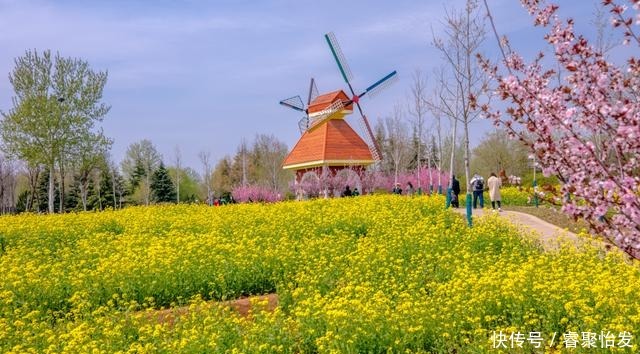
{"type": "Point", "coordinates": [255, 193]}
{"type": "Point", "coordinates": [559, 114]}
{"type": "Point", "coordinates": [367, 182]}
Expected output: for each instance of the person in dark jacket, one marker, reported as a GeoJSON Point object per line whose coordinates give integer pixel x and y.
{"type": "Point", "coordinates": [347, 192]}
{"type": "Point", "coordinates": [455, 191]}
{"type": "Point", "coordinates": [477, 185]}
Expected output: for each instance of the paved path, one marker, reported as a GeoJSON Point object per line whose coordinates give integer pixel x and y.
{"type": "Point", "coordinates": [548, 233]}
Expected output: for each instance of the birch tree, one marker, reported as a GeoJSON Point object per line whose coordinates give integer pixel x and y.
{"type": "Point", "coordinates": [463, 80]}
{"type": "Point", "coordinates": [205, 159]}
{"type": "Point", "coordinates": [56, 104]}
{"type": "Point", "coordinates": [418, 108]}
{"type": "Point", "coordinates": [397, 140]}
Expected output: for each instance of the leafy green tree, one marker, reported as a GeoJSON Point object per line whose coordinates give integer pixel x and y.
{"type": "Point", "coordinates": [139, 165]}
{"type": "Point", "coordinates": [55, 108]}
{"type": "Point", "coordinates": [496, 151]}
{"type": "Point", "coordinates": [162, 188]}
{"type": "Point", "coordinates": [190, 190]}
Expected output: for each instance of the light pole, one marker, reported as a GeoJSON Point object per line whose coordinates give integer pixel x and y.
{"type": "Point", "coordinates": [535, 183]}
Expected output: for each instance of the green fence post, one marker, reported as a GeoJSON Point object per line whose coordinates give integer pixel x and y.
{"type": "Point", "coordinates": [468, 201]}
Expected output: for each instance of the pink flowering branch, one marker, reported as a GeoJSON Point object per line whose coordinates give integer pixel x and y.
{"type": "Point", "coordinates": [583, 128]}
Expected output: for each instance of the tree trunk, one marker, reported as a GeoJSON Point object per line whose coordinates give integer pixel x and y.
{"type": "Point", "coordinates": [178, 185]}
{"type": "Point", "coordinates": [33, 182]}
{"type": "Point", "coordinates": [430, 173]}
{"type": "Point", "coordinates": [147, 189]}
{"type": "Point", "coordinates": [61, 188]}
{"type": "Point", "coordinates": [419, 156]}
{"type": "Point", "coordinates": [396, 167]}
{"type": "Point", "coordinates": [83, 193]}
{"type": "Point", "coordinates": [12, 192]}
{"type": "Point", "coordinates": [113, 185]}
{"type": "Point", "coordinates": [51, 188]}
{"type": "Point", "coordinates": [453, 152]}
{"type": "Point", "coordinates": [99, 199]}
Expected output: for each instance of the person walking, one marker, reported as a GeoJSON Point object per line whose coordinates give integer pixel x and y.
{"type": "Point", "coordinates": [477, 186]}
{"type": "Point", "coordinates": [455, 192]}
{"type": "Point", "coordinates": [494, 184]}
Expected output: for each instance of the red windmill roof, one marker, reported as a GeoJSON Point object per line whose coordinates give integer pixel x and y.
{"type": "Point", "coordinates": [334, 142]}
{"type": "Point", "coordinates": [323, 101]}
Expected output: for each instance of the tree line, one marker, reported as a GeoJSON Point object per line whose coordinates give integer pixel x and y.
{"type": "Point", "coordinates": [56, 157]}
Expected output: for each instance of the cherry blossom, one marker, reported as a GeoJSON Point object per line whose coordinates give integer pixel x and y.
{"type": "Point", "coordinates": [582, 123]}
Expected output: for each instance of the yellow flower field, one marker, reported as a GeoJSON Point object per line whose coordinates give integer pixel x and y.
{"type": "Point", "coordinates": [367, 274]}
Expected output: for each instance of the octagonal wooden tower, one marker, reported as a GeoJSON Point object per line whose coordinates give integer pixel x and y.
{"type": "Point", "coordinates": [330, 143]}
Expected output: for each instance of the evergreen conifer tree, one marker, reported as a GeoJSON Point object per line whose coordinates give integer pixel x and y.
{"type": "Point", "coordinates": [162, 188]}
{"type": "Point", "coordinates": [42, 192]}
{"type": "Point", "coordinates": [72, 199]}
{"type": "Point", "coordinates": [136, 176]}
{"type": "Point", "coordinates": [106, 190]}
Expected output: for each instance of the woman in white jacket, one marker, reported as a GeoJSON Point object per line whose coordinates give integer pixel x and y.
{"type": "Point", "coordinates": [494, 183]}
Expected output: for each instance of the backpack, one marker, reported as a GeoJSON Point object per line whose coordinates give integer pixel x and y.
{"type": "Point", "coordinates": [479, 185]}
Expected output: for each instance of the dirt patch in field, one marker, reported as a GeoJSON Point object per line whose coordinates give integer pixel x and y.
{"type": "Point", "coordinates": [242, 306]}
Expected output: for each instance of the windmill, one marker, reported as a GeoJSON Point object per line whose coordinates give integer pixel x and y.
{"type": "Point", "coordinates": [329, 144]}
{"type": "Point", "coordinates": [371, 90]}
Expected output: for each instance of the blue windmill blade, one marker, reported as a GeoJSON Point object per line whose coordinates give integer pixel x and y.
{"type": "Point", "coordinates": [339, 57]}
{"type": "Point", "coordinates": [294, 102]}
{"type": "Point", "coordinates": [381, 84]}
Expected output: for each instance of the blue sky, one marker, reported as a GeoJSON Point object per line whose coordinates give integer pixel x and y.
{"type": "Point", "coordinates": [202, 75]}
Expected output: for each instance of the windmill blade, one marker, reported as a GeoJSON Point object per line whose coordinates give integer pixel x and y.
{"type": "Point", "coordinates": [339, 57]}
{"type": "Point", "coordinates": [326, 113]}
{"type": "Point", "coordinates": [313, 91]}
{"type": "Point", "coordinates": [381, 84]}
{"type": "Point", "coordinates": [303, 124]}
{"type": "Point", "coordinates": [369, 138]}
{"type": "Point", "coordinates": [294, 102]}
{"type": "Point", "coordinates": [359, 108]}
